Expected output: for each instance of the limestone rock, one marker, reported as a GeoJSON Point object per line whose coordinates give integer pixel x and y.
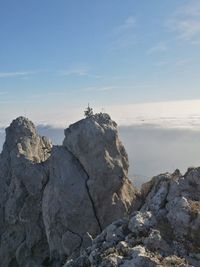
{"type": "Point", "coordinates": [140, 257]}
{"type": "Point", "coordinates": [22, 178]}
{"type": "Point", "coordinates": [55, 200]}
{"type": "Point", "coordinates": [73, 205]}
{"type": "Point", "coordinates": [88, 186]}
{"type": "Point", "coordinates": [95, 144]}
{"type": "Point", "coordinates": [67, 208]}
{"type": "Point", "coordinates": [164, 233]}
{"type": "Point", "coordinates": [141, 222]}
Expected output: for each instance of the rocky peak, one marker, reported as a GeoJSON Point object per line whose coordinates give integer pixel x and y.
{"type": "Point", "coordinates": [104, 120]}
{"type": "Point", "coordinates": [21, 127]}
{"type": "Point", "coordinates": [73, 205]}
{"type": "Point", "coordinates": [97, 136]}
{"type": "Point", "coordinates": [51, 197]}
{"type": "Point", "coordinates": [97, 166]}
{"type": "Point", "coordinates": [22, 180]}
{"type": "Point", "coordinates": [95, 143]}
{"type": "Point", "coordinates": [22, 139]}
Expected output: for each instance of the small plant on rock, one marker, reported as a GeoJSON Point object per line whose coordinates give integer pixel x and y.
{"type": "Point", "coordinates": [88, 112]}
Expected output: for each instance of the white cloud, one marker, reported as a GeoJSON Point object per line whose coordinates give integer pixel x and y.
{"type": "Point", "coordinates": [183, 62]}
{"type": "Point", "coordinates": [128, 24]}
{"type": "Point", "coordinates": [168, 114]}
{"type": "Point", "coordinates": [98, 89]}
{"type": "Point", "coordinates": [160, 47]}
{"type": "Point", "coordinates": [55, 93]}
{"type": "Point", "coordinates": [124, 42]}
{"type": "Point", "coordinates": [124, 34]}
{"type": "Point", "coordinates": [186, 22]}
{"type": "Point", "coordinates": [15, 74]}
{"type": "Point", "coordinates": [75, 71]}
{"type": "Point", "coordinates": [79, 71]}
{"type": "Point", "coordinates": [190, 9]}
{"type": "Point", "coordinates": [180, 62]}
{"type": "Point", "coordinates": [171, 114]}
{"type": "Point", "coordinates": [188, 29]}
{"type": "Point", "coordinates": [195, 42]}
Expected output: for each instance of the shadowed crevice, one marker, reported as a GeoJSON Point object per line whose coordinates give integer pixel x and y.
{"type": "Point", "coordinates": [88, 190]}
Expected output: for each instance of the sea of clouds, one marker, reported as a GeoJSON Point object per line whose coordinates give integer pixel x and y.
{"type": "Point", "coordinates": [158, 137]}
{"type": "Point", "coordinates": [151, 150]}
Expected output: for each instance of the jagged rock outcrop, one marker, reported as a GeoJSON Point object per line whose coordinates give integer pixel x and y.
{"type": "Point", "coordinates": [73, 205]}
{"type": "Point", "coordinates": [22, 179]}
{"type": "Point", "coordinates": [95, 144]}
{"type": "Point", "coordinates": [54, 200]}
{"type": "Point", "coordinates": [88, 186]}
{"type": "Point", "coordinates": [164, 232]}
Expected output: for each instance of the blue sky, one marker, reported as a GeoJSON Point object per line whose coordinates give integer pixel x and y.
{"type": "Point", "coordinates": [56, 56]}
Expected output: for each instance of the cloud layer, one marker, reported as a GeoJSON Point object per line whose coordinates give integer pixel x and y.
{"type": "Point", "coordinates": [186, 22]}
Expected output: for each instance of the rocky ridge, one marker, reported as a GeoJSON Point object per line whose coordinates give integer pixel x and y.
{"type": "Point", "coordinates": [51, 196]}
{"type": "Point", "coordinates": [73, 205]}
{"type": "Point", "coordinates": [165, 231]}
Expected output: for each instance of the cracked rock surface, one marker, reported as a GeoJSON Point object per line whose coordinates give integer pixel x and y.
{"type": "Point", "coordinates": [55, 199]}
{"type": "Point", "coordinates": [73, 205]}
{"type": "Point", "coordinates": [22, 180]}
{"type": "Point", "coordinates": [164, 232]}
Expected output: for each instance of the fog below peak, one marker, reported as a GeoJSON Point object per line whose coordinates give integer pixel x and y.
{"type": "Point", "coordinates": [151, 150]}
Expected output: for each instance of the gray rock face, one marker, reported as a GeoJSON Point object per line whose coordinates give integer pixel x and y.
{"type": "Point", "coordinates": [54, 200]}
{"type": "Point", "coordinates": [22, 179]}
{"type": "Point", "coordinates": [67, 209]}
{"type": "Point", "coordinates": [95, 144]}
{"type": "Point", "coordinates": [88, 186]}
{"type": "Point", "coordinates": [73, 205]}
{"type": "Point", "coordinates": [165, 232]}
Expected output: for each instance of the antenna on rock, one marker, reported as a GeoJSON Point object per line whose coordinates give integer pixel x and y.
{"type": "Point", "coordinates": [25, 113]}
{"type": "Point", "coordinates": [88, 112]}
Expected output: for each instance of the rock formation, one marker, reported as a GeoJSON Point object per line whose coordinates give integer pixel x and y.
{"type": "Point", "coordinates": [73, 205]}
{"type": "Point", "coordinates": [164, 232]}
{"type": "Point", "coordinates": [55, 199]}
{"type": "Point", "coordinates": [22, 180]}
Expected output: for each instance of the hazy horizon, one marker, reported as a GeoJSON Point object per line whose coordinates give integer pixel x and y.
{"type": "Point", "coordinates": [56, 56]}
{"type": "Point", "coordinates": [138, 61]}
